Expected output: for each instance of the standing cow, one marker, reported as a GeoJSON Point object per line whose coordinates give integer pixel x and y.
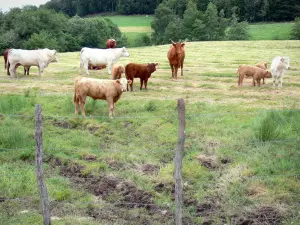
{"type": "Point", "coordinates": [40, 58]}
{"type": "Point", "coordinates": [278, 66]}
{"type": "Point", "coordinates": [109, 90]}
{"type": "Point", "coordinates": [100, 57]}
{"type": "Point", "coordinates": [176, 56]}
{"type": "Point", "coordinates": [7, 65]}
{"type": "Point", "coordinates": [142, 71]}
{"type": "Point", "coordinates": [111, 43]}
{"type": "Point", "coordinates": [263, 66]}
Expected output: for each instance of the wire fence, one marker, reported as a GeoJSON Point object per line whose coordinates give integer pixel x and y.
{"type": "Point", "coordinates": [165, 208]}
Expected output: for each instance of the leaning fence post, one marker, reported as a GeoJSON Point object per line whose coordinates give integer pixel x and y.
{"type": "Point", "coordinates": [39, 164]}
{"type": "Point", "coordinates": [178, 161]}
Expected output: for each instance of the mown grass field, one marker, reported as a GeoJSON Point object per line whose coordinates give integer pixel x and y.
{"type": "Point", "coordinates": [134, 26]}
{"type": "Point", "coordinates": [241, 160]}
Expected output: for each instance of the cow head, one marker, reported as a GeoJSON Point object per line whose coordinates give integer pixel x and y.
{"type": "Point", "coordinates": [152, 67]}
{"type": "Point", "coordinates": [178, 47]}
{"type": "Point", "coordinates": [123, 83]}
{"type": "Point", "coordinates": [268, 74]}
{"type": "Point", "coordinates": [124, 52]}
{"type": "Point", "coordinates": [286, 62]}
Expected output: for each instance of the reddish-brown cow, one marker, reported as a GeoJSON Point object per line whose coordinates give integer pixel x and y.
{"type": "Point", "coordinates": [111, 43]}
{"type": "Point", "coordinates": [5, 54]}
{"type": "Point", "coordinates": [176, 56]}
{"type": "Point", "coordinates": [143, 71]}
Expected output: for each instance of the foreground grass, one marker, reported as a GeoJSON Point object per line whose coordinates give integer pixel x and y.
{"type": "Point", "coordinates": [241, 150]}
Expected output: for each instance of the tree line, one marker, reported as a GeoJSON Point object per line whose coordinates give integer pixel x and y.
{"type": "Point", "coordinates": [245, 10]}
{"type": "Point", "coordinates": [32, 28]}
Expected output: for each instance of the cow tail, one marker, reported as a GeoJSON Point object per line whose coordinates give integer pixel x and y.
{"type": "Point", "coordinates": [75, 98]}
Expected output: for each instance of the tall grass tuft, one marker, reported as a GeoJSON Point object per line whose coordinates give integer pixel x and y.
{"type": "Point", "coordinates": [278, 125]}
{"type": "Point", "coordinates": [12, 104]}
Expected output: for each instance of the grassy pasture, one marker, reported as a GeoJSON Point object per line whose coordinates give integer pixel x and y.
{"type": "Point", "coordinates": [270, 31]}
{"type": "Point", "coordinates": [241, 159]}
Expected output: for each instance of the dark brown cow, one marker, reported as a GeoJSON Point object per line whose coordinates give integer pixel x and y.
{"type": "Point", "coordinates": [5, 54]}
{"type": "Point", "coordinates": [143, 71]}
{"type": "Point", "coordinates": [176, 56]}
{"type": "Point", "coordinates": [111, 43]}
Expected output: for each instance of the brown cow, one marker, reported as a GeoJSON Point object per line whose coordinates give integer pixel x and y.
{"type": "Point", "coordinates": [111, 43]}
{"type": "Point", "coordinates": [253, 71]}
{"type": "Point", "coordinates": [263, 66]}
{"type": "Point", "coordinates": [109, 90]}
{"type": "Point", "coordinates": [176, 56]}
{"type": "Point", "coordinates": [143, 71]}
{"type": "Point", "coordinates": [5, 54]}
{"type": "Point", "coordinates": [116, 71]}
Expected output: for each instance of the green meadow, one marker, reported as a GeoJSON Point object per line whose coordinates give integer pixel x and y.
{"type": "Point", "coordinates": [241, 157]}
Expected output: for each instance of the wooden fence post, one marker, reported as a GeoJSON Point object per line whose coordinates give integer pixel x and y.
{"type": "Point", "coordinates": [178, 161]}
{"type": "Point", "coordinates": [39, 164]}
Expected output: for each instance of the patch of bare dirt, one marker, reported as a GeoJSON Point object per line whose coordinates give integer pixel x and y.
{"type": "Point", "coordinates": [265, 215]}
{"type": "Point", "coordinates": [89, 157]}
{"type": "Point", "coordinates": [63, 124]}
{"type": "Point", "coordinates": [120, 197]}
{"type": "Point", "coordinates": [210, 162]}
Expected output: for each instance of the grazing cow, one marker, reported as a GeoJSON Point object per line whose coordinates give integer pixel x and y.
{"type": "Point", "coordinates": [116, 71]}
{"type": "Point", "coordinates": [109, 90]}
{"type": "Point", "coordinates": [143, 71]}
{"type": "Point", "coordinates": [5, 54]}
{"type": "Point", "coordinates": [278, 66]}
{"type": "Point", "coordinates": [40, 58]}
{"type": "Point", "coordinates": [176, 56]}
{"type": "Point", "coordinates": [253, 71]}
{"type": "Point", "coordinates": [100, 57]}
{"type": "Point", "coordinates": [263, 66]}
{"type": "Point", "coordinates": [111, 43]}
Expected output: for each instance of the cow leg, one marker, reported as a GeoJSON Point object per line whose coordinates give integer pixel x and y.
{"type": "Point", "coordinates": [131, 86]}
{"type": "Point", "coordinates": [28, 70]}
{"type": "Point", "coordinates": [12, 70]}
{"type": "Point", "coordinates": [258, 82]}
{"type": "Point", "coordinates": [274, 81]}
{"type": "Point", "coordinates": [8, 66]}
{"type": "Point", "coordinates": [76, 107]}
{"type": "Point", "coordinates": [109, 68]}
{"type": "Point", "coordinates": [111, 104]}
{"type": "Point", "coordinates": [176, 71]}
{"type": "Point", "coordinates": [263, 80]}
{"type": "Point", "coordinates": [181, 69]}
{"type": "Point", "coordinates": [172, 69]}
{"type": "Point", "coordinates": [146, 81]}
{"type": "Point", "coordinates": [82, 103]}
{"type": "Point", "coordinates": [142, 81]}
{"type": "Point", "coordinates": [280, 81]}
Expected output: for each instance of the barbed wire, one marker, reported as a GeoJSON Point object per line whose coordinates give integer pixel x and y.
{"type": "Point", "coordinates": [170, 114]}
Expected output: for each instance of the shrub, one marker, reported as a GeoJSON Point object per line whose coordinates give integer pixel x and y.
{"type": "Point", "coordinates": [42, 40]}
{"type": "Point", "coordinates": [238, 31]}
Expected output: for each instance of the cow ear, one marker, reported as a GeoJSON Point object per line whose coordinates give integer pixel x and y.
{"type": "Point", "coordinates": [118, 81]}
{"type": "Point", "coordinates": [282, 59]}
{"type": "Point", "coordinates": [182, 44]}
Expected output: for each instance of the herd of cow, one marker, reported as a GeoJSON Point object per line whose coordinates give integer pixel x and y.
{"type": "Point", "coordinates": [111, 90]}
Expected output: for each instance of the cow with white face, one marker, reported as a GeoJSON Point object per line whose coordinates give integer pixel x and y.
{"type": "Point", "coordinates": [278, 67]}
{"type": "Point", "coordinates": [100, 57]}
{"type": "Point", "coordinates": [40, 58]}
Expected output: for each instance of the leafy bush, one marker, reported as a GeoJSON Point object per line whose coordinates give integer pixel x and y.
{"type": "Point", "coordinates": [42, 40]}
{"type": "Point", "coordinates": [295, 34]}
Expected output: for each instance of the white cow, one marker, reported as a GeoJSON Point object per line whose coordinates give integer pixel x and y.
{"type": "Point", "coordinates": [278, 66]}
{"type": "Point", "coordinates": [40, 58]}
{"type": "Point", "coordinates": [99, 57]}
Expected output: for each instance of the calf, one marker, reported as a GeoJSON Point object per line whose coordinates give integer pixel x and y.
{"type": "Point", "coordinates": [255, 72]}
{"type": "Point", "coordinates": [142, 71]}
{"type": "Point", "coordinates": [109, 90]}
{"type": "Point", "coordinates": [116, 71]}
{"type": "Point", "coordinates": [263, 66]}
{"type": "Point", "coordinates": [278, 67]}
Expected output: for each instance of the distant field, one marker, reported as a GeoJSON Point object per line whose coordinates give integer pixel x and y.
{"type": "Point", "coordinates": [270, 31]}
{"type": "Point", "coordinates": [133, 26]}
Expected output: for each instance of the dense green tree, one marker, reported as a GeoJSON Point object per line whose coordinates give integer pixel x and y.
{"type": "Point", "coordinates": [191, 14]}
{"type": "Point", "coordinates": [237, 31]}
{"type": "Point", "coordinates": [295, 34]}
{"type": "Point", "coordinates": [42, 40]}
{"type": "Point", "coordinates": [162, 17]}
{"type": "Point", "coordinates": [211, 21]}
{"type": "Point", "coordinates": [173, 31]}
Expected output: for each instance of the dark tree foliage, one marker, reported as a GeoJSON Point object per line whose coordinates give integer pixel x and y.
{"type": "Point", "coordinates": [32, 28]}
{"type": "Point", "coordinates": [296, 29]}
